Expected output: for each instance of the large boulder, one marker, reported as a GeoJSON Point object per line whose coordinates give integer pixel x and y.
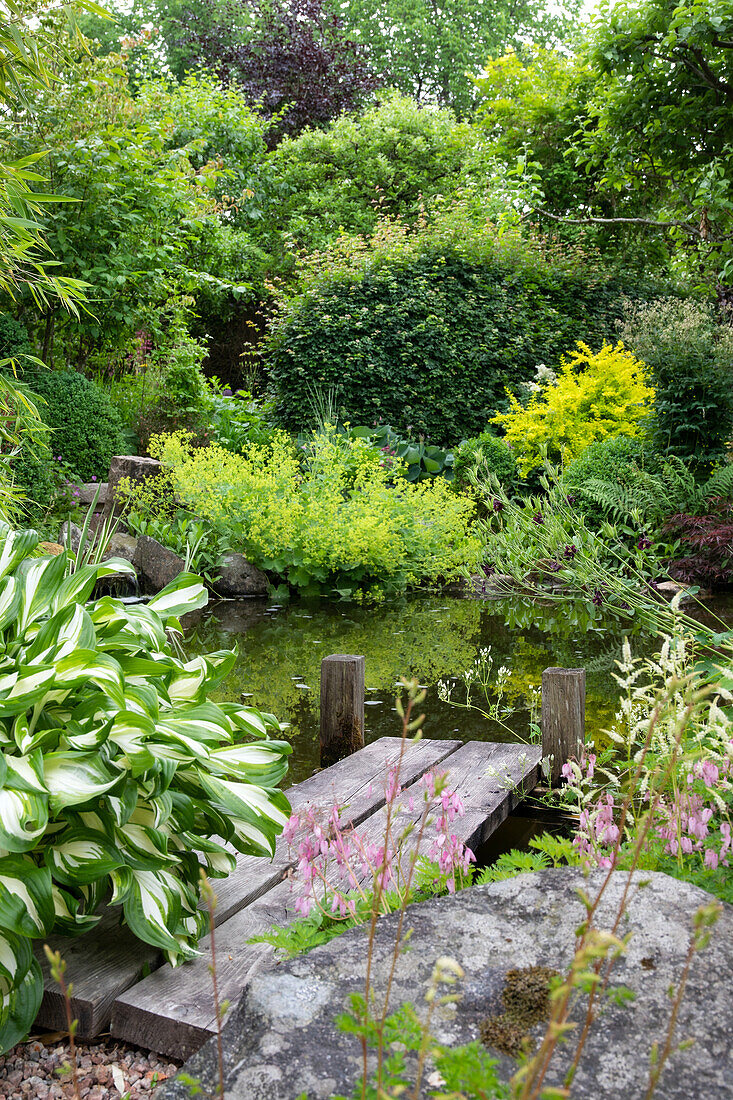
{"type": "Point", "coordinates": [157, 566]}
{"type": "Point", "coordinates": [121, 545]}
{"type": "Point", "coordinates": [282, 1041]}
{"type": "Point", "coordinates": [133, 467]}
{"type": "Point", "coordinates": [237, 578]}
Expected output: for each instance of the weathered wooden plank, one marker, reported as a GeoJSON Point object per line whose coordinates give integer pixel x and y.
{"type": "Point", "coordinates": [107, 960]}
{"type": "Point", "coordinates": [96, 963]}
{"type": "Point", "coordinates": [490, 779]}
{"type": "Point", "coordinates": [171, 1009]}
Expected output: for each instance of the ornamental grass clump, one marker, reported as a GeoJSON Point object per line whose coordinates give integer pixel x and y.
{"type": "Point", "coordinates": [595, 396]}
{"type": "Point", "coordinates": [341, 520]}
{"type": "Point", "coordinates": [119, 779]}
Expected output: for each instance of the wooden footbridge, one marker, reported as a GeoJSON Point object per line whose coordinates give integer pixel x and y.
{"type": "Point", "coordinates": [123, 985]}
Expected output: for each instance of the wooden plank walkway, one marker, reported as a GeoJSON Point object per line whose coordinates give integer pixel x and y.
{"type": "Point", "coordinates": [107, 960]}
{"type": "Point", "coordinates": [173, 1011]}
{"type": "Point", "coordinates": [121, 981]}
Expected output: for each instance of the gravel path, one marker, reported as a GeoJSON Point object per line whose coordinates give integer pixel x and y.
{"type": "Point", "coordinates": [39, 1070]}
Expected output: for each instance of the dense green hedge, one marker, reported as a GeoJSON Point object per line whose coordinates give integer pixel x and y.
{"type": "Point", "coordinates": [86, 428]}
{"type": "Point", "coordinates": [430, 336]}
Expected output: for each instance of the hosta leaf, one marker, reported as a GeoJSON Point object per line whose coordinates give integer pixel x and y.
{"type": "Point", "coordinates": [185, 684]}
{"type": "Point", "coordinates": [122, 881]}
{"type": "Point", "coordinates": [78, 587]}
{"type": "Point", "coordinates": [40, 580]}
{"type": "Point", "coordinates": [144, 846]}
{"type": "Point", "coordinates": [185, 593]}
{"type": "Point", "coordinates": [23, 819]}
{"type": "Point", "coordinates": [26, 904]}
{"type": "Point", "coordinates": [219, 860]}
{"type": "Point", "coordinates": [153, 907]}
{"type": "Point", "coordinates": [128, 732]}
{"type": "Point", "coordinates": [124, 801]}
{"type": "Point", "coordinates": [70, 917]}
{"type": "Point", "coordinates": [74, 778]}
{"type": "Point", "coordinates": [25, 773]}
{"type": "Point", "coordinates": [20, 1007]}
{"type": "Point", "coordinates": [265, 811]}
{"type": "Point", "coordinates": [139, 670]}
{"type": "Point", "coordinates": [88, 666]}
{"type": "Point", "coordinates": [82, 856]}
{"type": "Point", "coordinates": [15, 960]}
{"type": "Point", "coordinates": [204, 722]}
{"type": "Point", "coordinates": [69, 629]}
{"type": "Point", "coordinates": [264, 762]}
{"type": "Point", "coordinates": [14, 547]}
{"type": "Point", "coordinates": [22, 689]}
{"type": "Point", "coordinates": [128, 627]}
{"type": "Point", "coordinates": [10, 600]}
{"type": "Point", "coordinates": [142, 698]}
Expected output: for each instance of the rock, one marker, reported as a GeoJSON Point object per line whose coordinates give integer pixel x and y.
{"type": "Point", "coordinates": [121, 546]}
{"type": "Point", "coordinates": [156, 564]}
{"type": "Point", "coordinates": [52, 548]}
{"type": "Point", "coordinates": [281, 1041]}
{"type": "Point", "coordinates": [88, 491]}
{"type": "Point", "coordinates": [70, 536]}
{"type": "Point", "coordinates": [238, 578]}
{"type": "Point", "coordinates": [133, 467]}
{"type": "Point", "coordinates": [669, 589]}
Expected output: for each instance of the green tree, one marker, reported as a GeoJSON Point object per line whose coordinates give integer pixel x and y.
{"type": "Point", "coordinates": [659, 132]}
{"type": "Point", "coordinates": [392, 158]}
{"type": "Point", "coordinates": [144, 200]}
{"type": "Point", "coordinates": [430, 50]}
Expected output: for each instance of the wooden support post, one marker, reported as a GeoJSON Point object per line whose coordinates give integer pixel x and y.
{"type": "Point", "coordinates": [342, 706]}
{"type": "Point", "coordinates": [563, 717]}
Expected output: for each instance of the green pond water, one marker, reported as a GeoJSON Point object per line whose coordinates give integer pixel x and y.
{"type": "Point", "coordinates": [280, 649]}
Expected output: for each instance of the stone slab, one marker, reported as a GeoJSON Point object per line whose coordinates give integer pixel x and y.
{"type": "Point", "coordinates": [281, 1043]}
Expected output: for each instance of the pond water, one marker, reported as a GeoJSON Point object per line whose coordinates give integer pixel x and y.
{"type": "Point", "coordinates": [280, 649]}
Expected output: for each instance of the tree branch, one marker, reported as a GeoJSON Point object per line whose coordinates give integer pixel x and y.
{"type": "Point", "coordinates": [650, 223]}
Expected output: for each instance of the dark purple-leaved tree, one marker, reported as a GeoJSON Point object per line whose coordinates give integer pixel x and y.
{"type": "Point", "coordinates": [290, 57]}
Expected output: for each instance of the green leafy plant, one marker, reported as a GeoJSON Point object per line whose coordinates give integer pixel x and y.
{"type": "Point", "coordinates": [690, 356]}
{"type": "Point", "coordinates": [419, 460]}
{"type": "Point", "coordinates": [118, 772]}
{"type": "Point", "coordinates": [596, 395]}
{"type": "Point", "coordinates": [85, 426]}
{"type": "Point", "coordinates": [492, 454]}
{"type": "Point", "coordinates": [612, 461]}
{"type": "Point", "coordinates": [648, 498]}
{"type": "Point", "coordinates": [341, 526]}
{"type": "Point", "coordinates": [426, 326]}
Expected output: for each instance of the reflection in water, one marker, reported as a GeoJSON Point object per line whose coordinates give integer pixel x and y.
{"type": "Point", "coordinates": [280, 651]}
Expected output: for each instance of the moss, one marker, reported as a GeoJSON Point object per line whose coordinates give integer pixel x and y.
{"type": "Point", "coordinates": [526, 1000]}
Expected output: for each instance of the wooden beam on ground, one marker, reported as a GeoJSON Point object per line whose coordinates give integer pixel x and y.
{"type": "Point", "coordinates": [172, 1011]}
{"type": "Point", "coordinates": [490, 780]}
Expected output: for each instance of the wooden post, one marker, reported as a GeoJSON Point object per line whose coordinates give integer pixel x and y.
{"type": "Point", "coordinates": [342, 706]}
{"type": "Point", "coordinates": [563, 717]}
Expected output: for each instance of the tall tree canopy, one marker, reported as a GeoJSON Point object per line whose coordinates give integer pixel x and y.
{"type": "Point", "coordinates": [659, 129]}
{"type": "Point", "coordinates": [429, 49]}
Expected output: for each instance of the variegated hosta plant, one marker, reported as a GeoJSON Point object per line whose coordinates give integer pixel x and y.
{"type": "Point", "coordinates": [119, 778]}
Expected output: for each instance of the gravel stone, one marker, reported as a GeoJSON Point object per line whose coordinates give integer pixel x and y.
{"type": "Point", "coordinates": [39, 1070]}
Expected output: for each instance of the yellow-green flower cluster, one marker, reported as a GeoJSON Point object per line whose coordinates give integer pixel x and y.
{"type": "Point", "coordinates": [339, 520]}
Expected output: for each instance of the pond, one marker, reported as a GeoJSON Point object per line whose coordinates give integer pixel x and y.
{"type": "Point", "coordinates": [280, 649]}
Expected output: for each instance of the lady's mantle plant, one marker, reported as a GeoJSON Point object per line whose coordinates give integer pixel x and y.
{"type": "Point", "coordinates": [117, 771]}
